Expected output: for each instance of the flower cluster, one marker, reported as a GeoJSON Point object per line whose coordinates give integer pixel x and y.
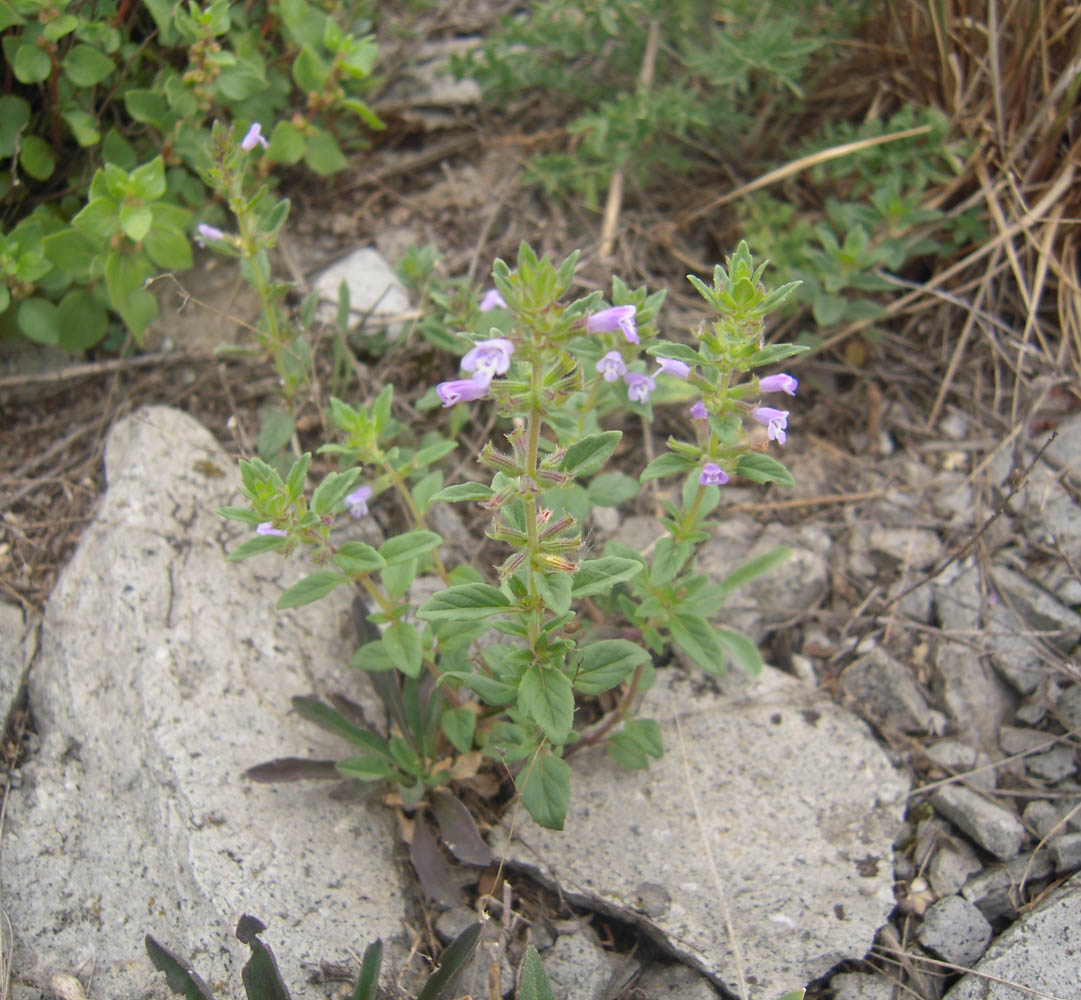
{"type": "Point", "coordinates": [486, 359]}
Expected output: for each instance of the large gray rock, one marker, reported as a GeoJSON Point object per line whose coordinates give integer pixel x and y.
{"type": "Point", "coordinates": [955, 930]}
{"type": "Point", "coordinates": [376, 295]}
{"type": "Point", "coordinates": [992, 826]}
{"type": "Point", "coordinates": [800, 808]}
{"type": "Point", "coordinates": [1039, 952]}
{"type": "Point", "coordinates": [164, 672]}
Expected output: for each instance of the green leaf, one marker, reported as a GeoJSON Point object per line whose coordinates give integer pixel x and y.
{"type": "Point", "coordinates": [83, 126]}
{"type": "Point", "coordinates": [323, 154]}
{"type": "Point", "coordinates": [598, 576]}
{"type": "Point", "coordinates": [31, 63]}
{"type": "Point", "coordinates": [610, 489]}
{"type": "Point", "coordinates": [679, 352]}
{"type": "Point", "coordinates": [148, 181]}
{"type": "Point", "coordinates": [309, 71]}
{"type": "Point", "coordinates": [357, 557]}
{"type": "Point", "coordinates": [260, 975]}
{"type": "Point", "coordinates": [776, 352]}
{"type": "Point", "coordinates": [257, 546]}
{"type": "Point", "coordinates": [83, 322]}
{"type": "Point", "coordinates": [425, 488]}
{"type": "Point", "coordinates": [533, 982]}
{"type": "Point", "coordinates": [763, 469]}
{"type": "Point", "coordinates": [741, 649]}
{"type": "Point", "coordinates": [332, 491]}
{"type": "Point", "coordinates": [606, 664]}
{"type": "Point", "coordinates": [8, 15]}
{"type": "Point", "coordinates": [332, 721]}
{"type": "Point", "coordinates": [555, 590]}
{"type": "Point", "coordinates": [311, 588]}
{"type": "Point", "coordinates": [490, 689]}
{"type": "Point", "coordinates": [698, 639]}
{"type": "Point", "coordinates": [367, 987]}
{"type": "Point", "coordinates": [464, 491]}
{"type": "Point", "coordinates": [286, 144]}
{"type": "Point", "coordinates": [545, 786]}
{"type": "Point", "coordinates": [469, 602]}
{"type": "Point", "coordinates": [365, 768]}
{"type": "Point", "coordinates": [668, 464]}
{"type": "Point", "coordinates": [546, 696]}
{"type": "Point", "coordinates": [147, 106]}
{"type": "Point", "coordinates": [135, 220]}
{"type": "Point", "coordinates": [452, 959]}
{"type": "Point", "coordinates": [372, 657]}
{"type": "Point", "coordinates": [755, 567]}
{"type": "Point", "coordinates": [37, 158]}
{"type": "Point", "coordinates": [168, 248]}
{"type": "Point", "coordinates": [401, 641]}
{"type": "Point", "coordinates": [275, 429]}
{"type": "Point", "coordinates": [14, 115]}
{"type": "Point", "coordinates": [38, 320]}
{"type": "Point", "coordinates": [668, 559]}
{"type": "Point", "coordinates": [589, 453]}
{"type": "Point", "coordinates": [459, 725]}
{"type": "Point", "coordinates": [85, 66]}
{"type": "Point", "coordinates": [411, 545]}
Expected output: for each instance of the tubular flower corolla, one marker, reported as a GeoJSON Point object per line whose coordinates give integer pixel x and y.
{"type": "Point", "coordinates": [775, 420]}
{"type": "Point", "coordinates": [462, 390]}
{"type": "Point", "coordinates": [611, 366]}
{"type": "Point", "coordinates": [639, 387]}
{"type": "Point", "coordinates": [670, 366]}
{"type": "Point", "coordinates": [267, 528]}
{"type": "Point", "coordinates": [253, 138]}
{"type": "Point", "coordinates": [615, 318]}
{"type": "Point", "coordinates": [492, 300]}
{"type": "Point", "coordinates": [488, 358]}
{"type": "Point", "coordinates": [778, 383]}
{"type": "Point", "coordinates": [357, 501]}
{"type": "Point", "coordinates": [699, 411]}
{"type": "Point", "coordinates": [712, 475]}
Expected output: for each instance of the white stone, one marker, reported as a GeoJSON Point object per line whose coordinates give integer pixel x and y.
{"type": "Point", "coordinates": [375, 293]}
{"type": "Point", "coordinates": [164, 673]}
{"type": "Point", "coordinates": [800, 808]}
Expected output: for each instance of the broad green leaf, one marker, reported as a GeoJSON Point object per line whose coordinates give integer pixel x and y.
{"type": "Point", "coordinates": [610, 489]}
{"type": "Point", "coordinates": [755, 567]}
{"type": "Point", "coordinates": [83, 126]}
{"type": "Point", "coordinates": [469, 602]}
{"type": "Point", "coordinates": [38, 320]}
{"type": "Point", "coordinates": [490, 689]}
{"type": "Point", "coordinates": [401, 642]}
{"type": "Point", "coordinates": [366, 768]}
{"type": "Point", "coordinates": [761, 468]}
{"type": "Point", "coordinates": [546, 696]}
{"type": "Point", "coordinates": [698, 639]}
{"type": "Point", "coordinates": [668, 464]}
{"type": "Point", "coordinates": [179, 974]}
{"type": "Point", "coordinates": [168, 248]}
{"type": "Point", "coordinates": [776, 352]}
{"type": "Point", "coordinates": [397, 579]}
{"type": "Point", "coordinates": [411, 545]}
{"type": "Point", "coordinates": [31, 63]}
{"type": "Point", "coordinates": [555, 590]}
{"type": "Point", "coordinates": [83, 321]}
{"type": "Point", "coordinates": [669, 557]}
{"type": "Point", "coordinates": [37, 158]}
{"type": "Point", "coordinates": [459, 724]}
{"type": "Point", "coordinates": [287, 144]}
{"type": "Point", "coordinates": [598, 576]}
{"type": "Point", "coordinates": [257, 546]}
{"type": "Point", "coordinates": [333, 490]}
{"type": "Point", "coordinates": [372, 657]}
{"type": "Point", "coordinates": [148, 180]}
{"type": "Point", "coordinates": [678, 352]}
{"type": "Point", "coordinates": [534, 983]}
{"type": "Point", "coordinates": [545, 786]}
{"type": "Point", "coordinates": [135, 220]}
{"type": "Point", "coordinates": [323, 154]}
{"type": "Point", "coordinates": [741, 649]}
{"type": "Point", "coordinates": [358, 557]}
{"type": "Point", "coordinates": [311, 588]}
{"type": "Point", "coordinates": [425, 488]}
{"type": "Point", "coordinates": [606, 664]}
{"type": "Point", "coordinates": [14, 115]}
{"type": "Point", "coordinates": [275, 430]}
{"type": "Point", "coordinates": [464, 491]}
{"type": "Point", "coordinates": [85, 66]}
{"type": "Point", "coordinates": [588, 454]}
{"type": "Point", "coordinates": [309, 71]}
{"type": "Point", "coordinates": [148, 107]}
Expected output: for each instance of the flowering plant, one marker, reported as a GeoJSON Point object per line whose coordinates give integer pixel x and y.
{"type": "Point", "coordinates": [501, 661]}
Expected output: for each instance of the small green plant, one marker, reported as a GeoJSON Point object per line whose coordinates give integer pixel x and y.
{"type": "Point", "coordinates": [127, 93]}
{"type": "Point", "coordinates": [506, 662]}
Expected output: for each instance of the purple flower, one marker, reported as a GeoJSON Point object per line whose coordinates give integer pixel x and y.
{"type": "Point", "coordinates": [639, 387]}
{"type": "Point", "coordinates": [616, 318]}
{"type": "Point", "coordinates": [611, 366]}
{"type": "Point", "coordinates": [267, 528]}
{"type": "Point", "coordinates": [488, 358]}
{"type": "Point", "coordinates": [775, 420]}
{"type": "Point", "coordinates": [699, 411]}
{"type": "Point", "coordinates": [462, 390]}
{"type": "Point", "coordinates": [778, 383]}
{"type": "Point", "coordinates": [357, 501]}
{"type": "Point", "coordinates": [670, 366]}
{"type": "Point", "coordinates": [253, 138]}
{"type": "Point", "coordinates": [712, 475]}
{"type": "Point", "coordinates": [206, 232]}
{"type": "Point", "coordinates": [492, 300]}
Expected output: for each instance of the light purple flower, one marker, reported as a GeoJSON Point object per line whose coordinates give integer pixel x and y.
{"type": "Point", "coordinates": [492, 300]}
{"type": "Point", "coordinates": [699, 411]}
{"type": "Point", "coordinates": [616, 318]}
{"type": "Point", "coordinates": [488, 358]}
{"type": "Point", "coordinates": [357, 501]}
{"type": "Point", "coordinates": [207, 232]}
{"type": "Point", "coordinates": [253, 138]}
{"type": "Point", "coordinates": [712, 475]}
{"type": "Point", "coordinates": [267, 528]}
{"type": "Point", "coordinates": [639, 387]}
{"type": "Point", "coordinates": [775, 420]}
{"type": "Point", "coordinates": [778, 383]}
{"type": "Point", "coordinates": [611, 366]}
{"type": "Point", "coordinates": [462, 390]}
{"type": "Point", "coordinates": [670, 366]}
